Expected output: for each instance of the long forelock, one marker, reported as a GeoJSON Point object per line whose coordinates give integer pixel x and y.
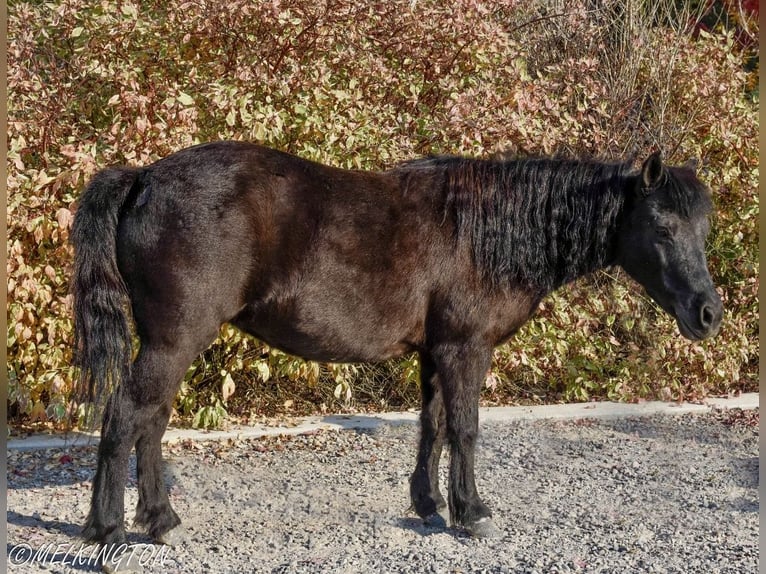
{"type": "Point", "coordinates": [687, 195]}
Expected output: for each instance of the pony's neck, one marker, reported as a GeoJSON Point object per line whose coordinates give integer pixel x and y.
{"type": "Point", "coordinates": [583, 236]}
{"type": "Point", "coordinates": [537, 223]}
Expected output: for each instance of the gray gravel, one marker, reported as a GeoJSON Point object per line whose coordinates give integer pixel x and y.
{"type": "Point", "coordinates": [654, 494]}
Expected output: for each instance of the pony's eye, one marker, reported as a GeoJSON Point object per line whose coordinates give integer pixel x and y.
{"type": "Point", "coordinates": [664, 233]}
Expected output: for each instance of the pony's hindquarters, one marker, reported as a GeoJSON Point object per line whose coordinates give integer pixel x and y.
{"type": "Point", "coordinates": [170, 244]}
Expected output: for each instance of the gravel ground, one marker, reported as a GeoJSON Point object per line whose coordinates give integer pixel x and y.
{"type": "Point", "coordinates": [654, 494]}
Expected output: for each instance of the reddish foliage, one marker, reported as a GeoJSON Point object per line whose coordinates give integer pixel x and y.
{"type": "Point", "coordinates": [365, 85]}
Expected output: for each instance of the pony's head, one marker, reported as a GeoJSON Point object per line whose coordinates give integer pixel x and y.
{"type": "Point", "coordinates": [662, 245]}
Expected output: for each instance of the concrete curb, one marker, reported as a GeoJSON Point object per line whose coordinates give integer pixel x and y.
{"type": "Point", "coordinates": [605, 410]}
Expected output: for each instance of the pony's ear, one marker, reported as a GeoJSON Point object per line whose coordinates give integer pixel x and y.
{"type": "Point", "coordinates": [651, 171]}
{"type": "Point", "coordinates": [692, 164]}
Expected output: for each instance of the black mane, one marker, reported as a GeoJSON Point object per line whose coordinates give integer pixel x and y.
{"type": "Point", "coordinates": [537, 222]}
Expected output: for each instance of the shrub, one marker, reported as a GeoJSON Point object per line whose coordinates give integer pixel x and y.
{"type": "Point", "coordinates": [365, 85]}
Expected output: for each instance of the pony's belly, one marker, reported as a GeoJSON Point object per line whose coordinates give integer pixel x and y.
{"type": "Point", "coordinates": [340, 354]}
{"type": "Point", "coordinates": [322, 340]}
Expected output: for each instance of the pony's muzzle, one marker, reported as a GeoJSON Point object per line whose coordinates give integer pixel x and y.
{"type": "Point", "coordinates": [711, 315]}
{"type": "Point", "coordinates": [704, 317]}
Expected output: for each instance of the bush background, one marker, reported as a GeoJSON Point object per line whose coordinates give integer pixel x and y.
{"type": "Point", "coordinates": [365, 85]}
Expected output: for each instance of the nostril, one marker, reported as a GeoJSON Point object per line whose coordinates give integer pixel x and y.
{"type": "Point", "coordinates": [707, 316]}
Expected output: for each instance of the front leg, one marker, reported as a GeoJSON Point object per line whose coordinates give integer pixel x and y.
{"type": "Point", "coordinates": [426, 498]}
{"type": "Point", "coordinates": [462, 368]}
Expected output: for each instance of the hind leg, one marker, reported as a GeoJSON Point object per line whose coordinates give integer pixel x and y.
{"type": "Point", "coordinates": [154, 511]}
{"type": "Point", "coordinates": [426, 498]}
{"type": "Point", "coordinates": [105, 522]}
{"type": "Point", "coordinates": [136, 411]}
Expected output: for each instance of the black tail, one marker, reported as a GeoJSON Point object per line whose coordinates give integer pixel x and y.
{"type": "Point", "coordinates": [102, 346]}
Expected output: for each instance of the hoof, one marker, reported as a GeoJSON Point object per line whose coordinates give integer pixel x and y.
{"type": "Point", "coordinates": [484, 528]}
{"type": "Point", "coordinates": [173, 537]}
{"type": "Point", "coordinates": [127, 563]}
{"type": "Point", "coordinates": [439, 519]}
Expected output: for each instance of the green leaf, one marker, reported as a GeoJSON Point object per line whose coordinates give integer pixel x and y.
{"type": "Point", "coordinates": [210, 417]}
{"type": "Point", "coordinates": [185, 99]}
{"type": "Point", "coordinates": [227, 387]}
{"type": "Point", "coordinates": [260, 131]}
{"type": "Point", "coordinates": [264, 373]}
{"type": "Point", "coordinates": [130, 11]}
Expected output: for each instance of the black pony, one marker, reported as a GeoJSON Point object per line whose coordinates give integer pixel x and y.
{"type": "Point", "coordinates": [446, 257]}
